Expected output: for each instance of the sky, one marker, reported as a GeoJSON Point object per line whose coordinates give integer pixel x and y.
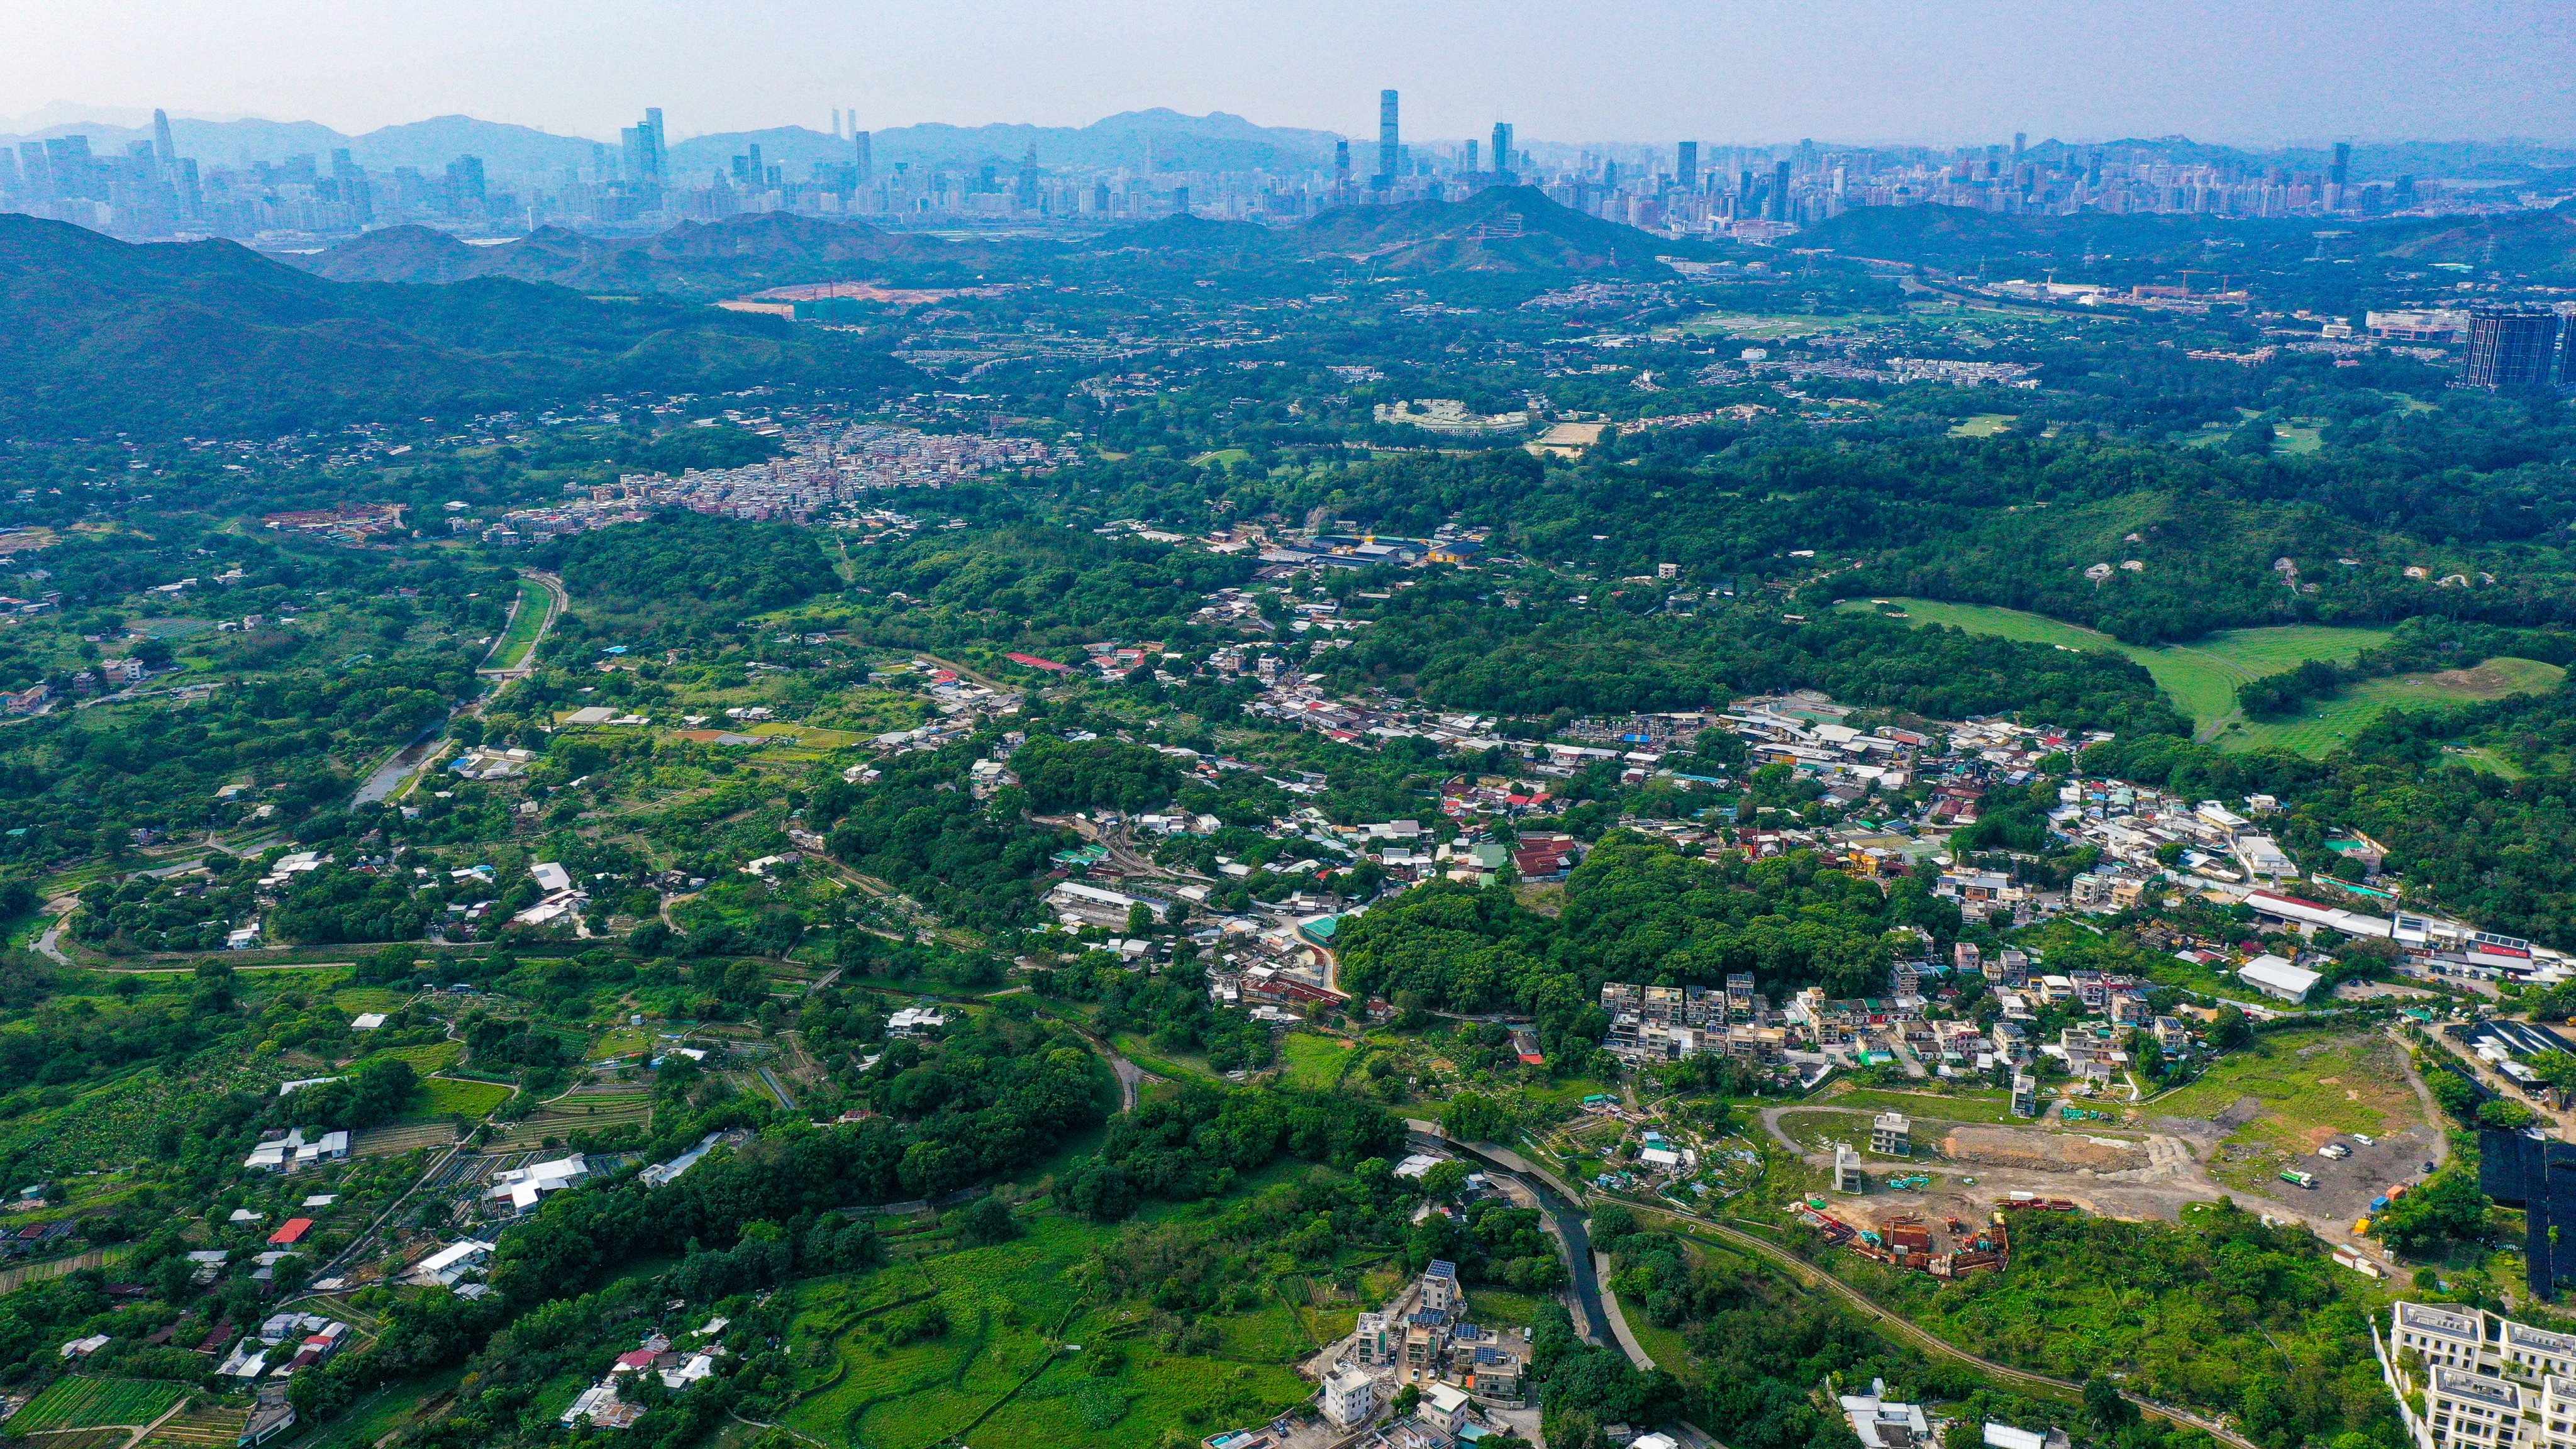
{"type": "Point", "coordinates": [1723, 71]}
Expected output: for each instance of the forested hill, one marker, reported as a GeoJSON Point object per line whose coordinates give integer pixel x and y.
{"type": "Point", "coordinates": [1503, 229]}
{"type": "Point", "coordinates": [721, 258]}
{"type": "Point", "coordinates": [2096, 247]}
{"type": "Point", "coordinates": [97, 335]}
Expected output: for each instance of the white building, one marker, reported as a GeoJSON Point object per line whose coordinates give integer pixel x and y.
{"type": "Point", "coordinates": [442, 1268]}
{"type": "Point", "coordinates": [1350, 1396]}
{"type": "Point", "coordinates": [1891, 1134]}
{"type": "Point", "coordinates": [523, 1186]}
{"type": "Point", "coordinates": [2488, 1382]}
{"type": "Point", "coordinates": [1883, 1424]}
{"type": "Point", "coordinates": [2275, 976]}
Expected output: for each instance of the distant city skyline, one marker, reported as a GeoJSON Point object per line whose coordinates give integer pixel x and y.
{"type": "Point", "coordinates": [1859, 72]}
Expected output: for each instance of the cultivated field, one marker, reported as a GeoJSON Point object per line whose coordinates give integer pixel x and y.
{"type": "Point", "coordinates": [998, 1368]}
{"type": "Point", "coordinates": [585, 1109]}
{"type": "Point", "coordinates": [81, 1403]}
{"type": "Point", "coordinates": [205, 1426]}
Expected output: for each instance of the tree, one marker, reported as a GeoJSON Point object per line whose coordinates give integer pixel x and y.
{"type": "Point", "coordinates": [985, 1221]}
{"type": "Point", "coordinates": [2231, 1031]}
{"type": "Point", "coordinates": [1443, 1180]}
{"type": "Point", "coordinates": [2506, 1113]}
{"type": "Point", "coordinates": [2558, 1069]}
{"type": "Point", "coordinates": [2108, 1410]}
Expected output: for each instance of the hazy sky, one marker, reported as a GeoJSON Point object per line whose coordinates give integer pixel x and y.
{"type": "Point", "coordinates": [1575, 70]}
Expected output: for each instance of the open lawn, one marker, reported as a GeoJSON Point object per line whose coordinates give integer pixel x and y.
{"type": "Point", "coordinates": [2199, 677]}
{"type": "Point", "coordinates": [1992, 1107]}
{"type": "Point", "coordinates": [1815, 1130]}
{"type": "Point", "coordinates": [1311, 1062]}
{"type": "Point", "coordinates": [434, 1056]}
{"type": "Point", "coordinates": [2292, 1091]}
{"type": "Point", "coordinates": [1759, 326]}
{"type": "Point", "coordinates": [1983, 425]}
{"type": "Point", "coordinates": [618, 1041]}
{"type": "Point", "coordinates": [2331, 722]}
{"type": "Point", "coordinates": [355, 999]}
{"type": "Point", "coordinates": [386, 1411]}
{"type": "Point", "coordinates": [514, 643]}
{"type": "Point", "coordinates": [81, 1403]}
{"type": "Point", "coordinates": [452, 1097]}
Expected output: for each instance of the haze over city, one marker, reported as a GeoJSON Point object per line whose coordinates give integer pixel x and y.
{"type": "Point", "coordinates": [1730, 725]}
{"type": "Point", "coordinates": [1859, 71]}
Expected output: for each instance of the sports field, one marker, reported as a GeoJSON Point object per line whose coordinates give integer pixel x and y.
{"type": "Point", "coordinates": [2200, 677]}
{"type": "Point", "coordinates": [2328, 723]}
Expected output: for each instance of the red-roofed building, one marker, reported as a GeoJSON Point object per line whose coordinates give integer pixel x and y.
{"type": "Point", "coordinates": [290, 1232]}
{"type": "Point", "coordinates": [1034, 662]}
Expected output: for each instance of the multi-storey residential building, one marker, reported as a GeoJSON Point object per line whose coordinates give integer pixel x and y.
{"type": "Point", "coordinates": [2487, 1382]}
{"type": "Point", "coordinates": [1440, 1292]}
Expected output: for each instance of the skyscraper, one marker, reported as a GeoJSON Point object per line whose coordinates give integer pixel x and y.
{"type": "Point", "coordinates": [866, 163]}
{"type": "Point", "coordinates": [1471, 157]}
{"type": "Point", "coordinates": [163, 149]}
{"type": "Point", "coordinates": [1341, 165]}
{"type": "Point", "coordinates": [1780, 191]}
{"type": "Point", "coordinates": [1027, 196]}
{"type": "Point", "coordinates": [1389, 151]}
{"type": "Point", "coordinates": [465, 180]}
{"type": "Point", "coordinates": [2340, 170]}
{"type": "Point", "coordinates": [1686, 166]}
{"type": "Point", "coordinates": [2512, 348]}
{"type": "Point", "coordinates": [645, 157]}
{"type": "Point", "coordinates": [1504, 161]}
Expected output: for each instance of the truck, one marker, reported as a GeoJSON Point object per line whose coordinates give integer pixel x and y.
{"type": "Point", "coordinates": [2303, 1179]}
{"type": "Point", "coordinates": [2379, 1204]}
{"type": "Point", "coordinates": [2335, 1150]}
{"type": "Point", "coordinates": [2361, 1229]}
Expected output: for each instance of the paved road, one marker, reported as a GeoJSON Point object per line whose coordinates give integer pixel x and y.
{"type": "Point", "coordinates": [1566, 1217]}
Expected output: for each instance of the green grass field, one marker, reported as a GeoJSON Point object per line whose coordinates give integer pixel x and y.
{"type": "Point", "coordinates": [514, 644]}
{"type": "Point", "coordinates": [2199, 677]}
{"type": "Point", "coordinates": [1996, 1107]}
{"type": "Point", "coordinates": [448, 1097]}
{"type": "Point", "coordinates": [1984, 425]}
{"type": "Point", "coordinates": [1313, 1063]}
{"type": "Point", "coordinates": [81, 1403]}
{"type": "Point", "coordinates": [1001, 1368]}
{"type": "Point", "coordinates": [427, 1058]}
{"type": "Point", "coordinates": [2331, 722]}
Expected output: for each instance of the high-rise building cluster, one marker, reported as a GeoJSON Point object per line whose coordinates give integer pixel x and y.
{"type": "Point", "coordinates": [1690, 188]}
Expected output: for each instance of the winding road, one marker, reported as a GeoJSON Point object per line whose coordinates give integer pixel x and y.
{"type": "Point", "coordinates": [1811, 1276]}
